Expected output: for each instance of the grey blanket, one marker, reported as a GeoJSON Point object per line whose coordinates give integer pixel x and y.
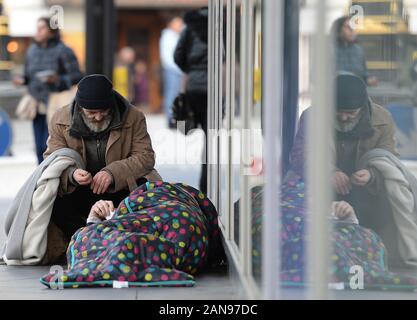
{"type": "Point", "coordinates": [18, 214]}
{"type": "Point", "coordinates": [401, 190]}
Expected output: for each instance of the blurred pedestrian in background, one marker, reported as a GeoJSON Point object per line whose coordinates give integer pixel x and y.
{"type": "Point", "coordinates": [172, 75]}
{"type": "Point", "coordinates": [141, 84]}
{"type": "Point", "coordinates": [123, 77]}
{"type": "Point", "coordinates": [192, 57]}
{"type": "Point", "coordinates": [349, 53]}
{"type": "Point", "coordinates": [50, 66]}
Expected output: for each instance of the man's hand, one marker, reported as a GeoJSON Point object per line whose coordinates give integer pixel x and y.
{"type": "Point", "coordinates": [341, 183]}
{"type": "Point", "coordinates": [82, 177]}
{"type": "Point", "coordinates": [361, 178]}
{"type": "Point", "coordinates": [102, 209]}
{"type": "Point", "coordinates": [342, 209]}
{"type": "Point", "coordinates": [101, 182]}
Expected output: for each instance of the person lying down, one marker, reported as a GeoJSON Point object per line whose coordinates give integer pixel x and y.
{"type": "Point", "coordinates": [352, 245]}
{"type": "Point", "coordinates": [162, 234]}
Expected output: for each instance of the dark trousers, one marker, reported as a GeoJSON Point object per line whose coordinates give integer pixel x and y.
{"type": "Point", "coordinates": [198, 103]}
{"type": "Point", "coordinates": [70, 211]}
{"type": "Point", "coordinates": [40, 131]}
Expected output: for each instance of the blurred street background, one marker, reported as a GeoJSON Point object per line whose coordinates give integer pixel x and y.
{"type": "Point", "coordinates": [122, 39]}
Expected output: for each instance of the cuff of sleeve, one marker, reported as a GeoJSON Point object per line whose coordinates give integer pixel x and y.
{"type": "Point", "coordinates": [93, 220]}
{"type": "Point", "coordinates": [372, 179]}
{"type": "Point", "coordinates": [71, 179]}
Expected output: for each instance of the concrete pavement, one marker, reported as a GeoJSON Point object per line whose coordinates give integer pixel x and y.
{"type": "Point", "coordinates": [176, 162]}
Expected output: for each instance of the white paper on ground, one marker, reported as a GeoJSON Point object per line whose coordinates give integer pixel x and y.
{"type": "Point", "coordinates": [120, 284]}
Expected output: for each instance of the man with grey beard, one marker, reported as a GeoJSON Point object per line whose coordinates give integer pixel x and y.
{"type": "Point", "coordinates": [112, 138]}
{"type": "Point", "coordinates": [360, 126]}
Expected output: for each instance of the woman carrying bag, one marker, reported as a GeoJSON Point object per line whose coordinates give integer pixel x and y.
{"type": "Point", "coordinates": [51, 68]}
{"type": "Point", "coordinates": [191, 56]}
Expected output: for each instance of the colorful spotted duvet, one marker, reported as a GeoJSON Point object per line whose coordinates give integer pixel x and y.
{"type": "Point", "coordinates": [353, 246]}
{"type": "Point", "coordinates": [160, 235]}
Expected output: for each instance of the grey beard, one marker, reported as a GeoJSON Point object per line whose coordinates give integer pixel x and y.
{"type": "Point", "coordinates": [97, 127]}
{"type": "Point", "coordinates": [347, 127]}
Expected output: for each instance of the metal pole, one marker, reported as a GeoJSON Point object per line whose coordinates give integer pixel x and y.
{"type": "Point", "coordinates": [319, 162]}
{"type": "Point", "coordinates": [272, 70]}
{"type": "Point", "coordinates": [100, 38]}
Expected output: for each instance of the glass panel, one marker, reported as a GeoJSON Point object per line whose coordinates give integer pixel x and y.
{"type": "Point", "coordinates": [222, 120]}
{"type": "Point", "coordinates": [388, 45]}
{"type": "Point", "coordinates": [236, 123]}
{"type": "Point", "coordinates": [373, 84]}
{"type": "Point", "coordinates": [256, 178]}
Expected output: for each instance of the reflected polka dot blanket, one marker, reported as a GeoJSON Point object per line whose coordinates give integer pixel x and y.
{"type": "Point", "coordinates": [160, 235]}
{"type": "Point", "coordinates": [357, 253]}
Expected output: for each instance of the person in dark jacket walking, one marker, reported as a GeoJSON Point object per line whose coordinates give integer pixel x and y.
{"type": "Point", "coordinates": [349, 53]}
{"type": "Point", "coordinates": [50, 66]}
{"type": "Point", "coordinates": [192, 57]}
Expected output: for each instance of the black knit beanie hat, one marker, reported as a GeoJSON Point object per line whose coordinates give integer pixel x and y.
{"type": "Point", "coordinates": [95, 91]}
{"type": "Point", "coordinates": [351, 92]}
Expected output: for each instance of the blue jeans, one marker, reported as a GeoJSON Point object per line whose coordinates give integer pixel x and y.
{"type": "Point", "coordinates": [40, 131]}
{"type": "Point", "coordinates": [172, 86]}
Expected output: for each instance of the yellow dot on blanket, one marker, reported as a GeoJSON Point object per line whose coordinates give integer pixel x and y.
{"type": "Point", "coordinates": [140, 199]}
{"type": "Point", "coordinates": [148, 277]}
{"type": "Point", "coordinates": [150, 194]}
{"type": "Point", "coordinates": [156, 218]}
{"type": "Point", "coordinates": [64, 278]}
{"type": "Point", "coordinates": [397, 280]}
{"type": "Point", "coordinates": [198, 230]}
{"type": "Point", "coordinates": [196, 252]}
{"type": "Point", "coordinates": [163, 256]}
{"type": "Point", "coordinates": [84, 254]}
{"type": "Point", "coordinates": [129, 246]}
{"type": "Point", "coordinates": [181, 244]}
{"type": "Point", "coordinates": [85, 271]}
{"type": "Point", "coordinates": [106, 276]}
{"type": "Point", "coordinates": [185, 214]}
{"type": "Point", "coordinates": [201, 195]}
{"type": "Point", "coordinates": [175, 225]}
{"type": "Point", "coordinates": [126, 269]}
{"type": "Point", "coordinates": [177, 261]}
{"type": "Point", "coordinates": [121, 256]}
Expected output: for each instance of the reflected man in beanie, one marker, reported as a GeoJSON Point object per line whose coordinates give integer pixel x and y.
{"type": "Point", "coordinates": [112, 138]}
{"type": "Point", "coordinates": [360, 126]}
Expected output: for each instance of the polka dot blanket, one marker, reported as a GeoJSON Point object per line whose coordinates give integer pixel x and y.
{"type": "Point", "coordinates": [353, 246]}
{"type": "Point", "coordinates": [162, 234]}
